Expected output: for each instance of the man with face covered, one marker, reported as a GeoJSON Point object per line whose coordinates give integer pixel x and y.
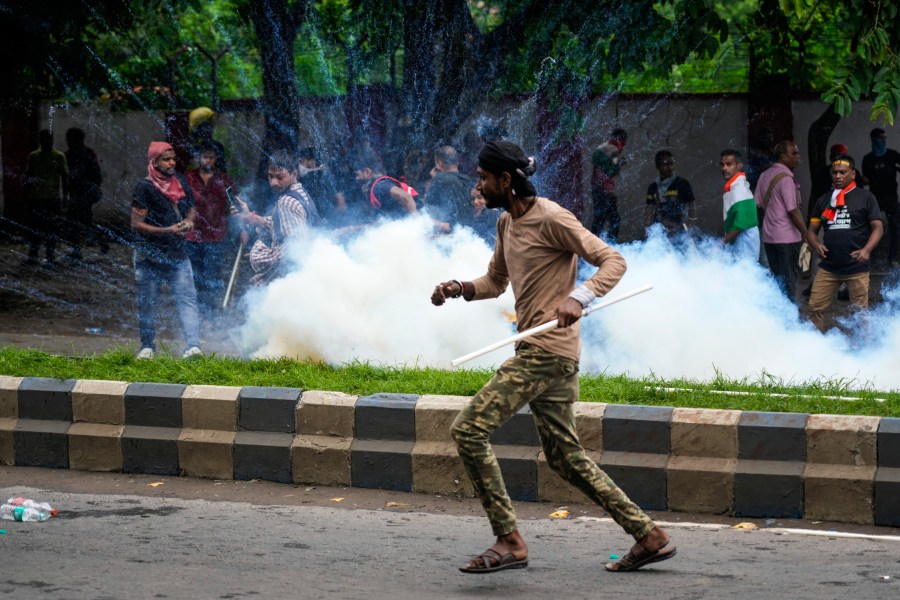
{"type": "Point", "coordinates": [881, 166]}
{"type": "Point", "coordinates": [852, 223]}
{"type": "Point", "coordinates": [537, 249]}
{"type": "Point", "coordinates": [162, 213]}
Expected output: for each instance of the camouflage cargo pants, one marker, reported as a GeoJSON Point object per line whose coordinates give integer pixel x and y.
{"type": "Point", "coordinates": [549, 384]}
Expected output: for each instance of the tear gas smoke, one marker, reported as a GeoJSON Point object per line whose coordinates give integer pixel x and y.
{"type": "Point", "coordinates": [707, 315]}
{"type": "Point", "coordinates": [370, 300]}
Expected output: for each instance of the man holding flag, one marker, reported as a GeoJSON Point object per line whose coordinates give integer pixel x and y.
{"type": "Point", "coordinates": [739, 208]}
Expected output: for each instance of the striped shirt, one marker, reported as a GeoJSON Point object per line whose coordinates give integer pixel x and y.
{"type": "Point", "coordinates": [289, 217]}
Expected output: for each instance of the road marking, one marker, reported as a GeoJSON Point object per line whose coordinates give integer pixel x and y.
{"type": "Point", "coordinates": [839, 534]}
{"type": "Point", "coordinates": [670, 390]}
{"type": "Point", "coordinates": [776, 530]}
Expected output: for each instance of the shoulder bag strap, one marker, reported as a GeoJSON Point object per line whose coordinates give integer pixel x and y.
{"type": "Point", "coordinates": [771, 189]}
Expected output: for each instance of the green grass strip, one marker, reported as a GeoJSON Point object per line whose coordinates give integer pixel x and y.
{"type": "Point", "coordinates": [765, 393]}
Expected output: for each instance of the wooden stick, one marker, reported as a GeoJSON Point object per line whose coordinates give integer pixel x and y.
{"type": "Point", "coordinates": [234, 270]}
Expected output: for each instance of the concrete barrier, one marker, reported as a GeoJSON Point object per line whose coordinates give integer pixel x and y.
{"type": "Point", "coordinates": [749, 464]}
{"type": "Point", "coordinates": [768, 479]}
{"type": "Point", "coordinates": [887, 477]}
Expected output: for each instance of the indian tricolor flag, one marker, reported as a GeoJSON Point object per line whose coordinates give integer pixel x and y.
{"type": "Point", "coordinates": [738, 206]}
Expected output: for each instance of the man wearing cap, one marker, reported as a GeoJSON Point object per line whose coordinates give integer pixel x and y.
{"type": "Point", "coordinates": [537, 250]}
{"type": "Point", "coordinates": [852, 227]}
{"type": "Point", "coordinates": [881, 166]}
{"type": "Point", "coordinates": [202, 124]}
{"type": "Point", "coordinates": [162, 213]}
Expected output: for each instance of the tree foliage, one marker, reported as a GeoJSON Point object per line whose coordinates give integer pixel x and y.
{"type": "Point", "coordinates": [441, 54]}
{"type": "Point", "coordinates": [871, 65]}
{"type": "Point", "coordinates": [167, 47]}
{"type": "Point", "coordinates": [44, 54]}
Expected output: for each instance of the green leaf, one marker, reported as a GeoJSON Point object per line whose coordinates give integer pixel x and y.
{"type": "Point", "coordinates": [841, 106]}
{"type": "Point", "coordinates": [895, 92]}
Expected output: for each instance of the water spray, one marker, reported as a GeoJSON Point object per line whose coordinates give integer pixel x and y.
{"type": "Point", "coordinates": [546, 326]}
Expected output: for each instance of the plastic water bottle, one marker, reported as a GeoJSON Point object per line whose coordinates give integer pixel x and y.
{"type": "Point", "coordinates": [22, 513]}
{"type": "Point", "coordinates": [29, 503]}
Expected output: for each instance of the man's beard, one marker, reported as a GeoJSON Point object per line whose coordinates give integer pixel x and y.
{"type": "Point", "coordinates": [496, 201]}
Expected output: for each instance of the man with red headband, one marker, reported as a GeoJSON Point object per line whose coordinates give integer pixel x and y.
{"type": "Point", "coordinates": [821, 184]}
{"type": "Point", "coordinates": [851, 220]}
{"type": "Point", "coordinates": [162, 213]}
{"type": "Point", "coordinates": [536, 252]}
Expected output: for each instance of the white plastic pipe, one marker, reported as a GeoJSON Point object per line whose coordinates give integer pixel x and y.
{"type": "Point", "coordinates": [546, 326]}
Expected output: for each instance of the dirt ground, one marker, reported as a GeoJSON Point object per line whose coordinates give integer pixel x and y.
{"type": "Point", "coordinates": [87, 306]}
{"type": "Point", "coordinates": [53, 308]}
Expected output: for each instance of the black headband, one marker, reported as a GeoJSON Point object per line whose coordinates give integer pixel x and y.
{"type": "Point", "coordinates": [505, 157]}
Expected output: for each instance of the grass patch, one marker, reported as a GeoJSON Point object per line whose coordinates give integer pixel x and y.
{"type": "Point", "coordinates": [765, 393]}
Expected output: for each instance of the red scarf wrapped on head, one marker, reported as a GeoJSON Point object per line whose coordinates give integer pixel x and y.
{"type": "Point", "coordinates": [169, 185]}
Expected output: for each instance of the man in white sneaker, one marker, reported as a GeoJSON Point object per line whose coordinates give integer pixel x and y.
{"type": "Point", "coordinates": [162, 212]}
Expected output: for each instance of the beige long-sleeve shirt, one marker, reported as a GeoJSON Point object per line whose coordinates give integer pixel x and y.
{"type": "Point", "coordinates": [538, 254]}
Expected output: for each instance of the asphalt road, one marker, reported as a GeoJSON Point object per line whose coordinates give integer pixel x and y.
{"type": "Point", "coordinates": [119, 537]}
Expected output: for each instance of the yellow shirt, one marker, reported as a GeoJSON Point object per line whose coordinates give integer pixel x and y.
{"type": "Point", "coordinates": [538, 255]}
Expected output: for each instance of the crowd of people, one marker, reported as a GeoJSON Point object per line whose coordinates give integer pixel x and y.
{"type": "Point", "coordinates": [183, 224]}
{"type": "Point", "coordinates": [763, 216]}
{"type": "Point", "coordinates": [180, 223]}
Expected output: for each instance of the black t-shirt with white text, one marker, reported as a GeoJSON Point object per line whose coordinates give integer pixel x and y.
{"type": "Point", "coordinates": [850, 230]}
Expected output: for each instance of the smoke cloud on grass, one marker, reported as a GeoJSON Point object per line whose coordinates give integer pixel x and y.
{"type": "Point", "coordinates": [370, 300]}
{"type": "Point", "coordinates": [707, 315]}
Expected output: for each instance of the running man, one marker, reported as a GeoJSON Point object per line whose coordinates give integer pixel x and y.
{"type": "Point", "coordinates": [537, 249]}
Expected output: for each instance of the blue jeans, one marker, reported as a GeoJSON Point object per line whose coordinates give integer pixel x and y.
{"type": "Point", "coordinates": [206, 261]}
{"type": "Point", "coordinates": [180, 278]}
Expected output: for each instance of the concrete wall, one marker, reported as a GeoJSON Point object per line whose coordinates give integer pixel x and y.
{"type": "Point", "coordinates": [747, 464]}
{"type": "Point", "coordinates": [696, 129]}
